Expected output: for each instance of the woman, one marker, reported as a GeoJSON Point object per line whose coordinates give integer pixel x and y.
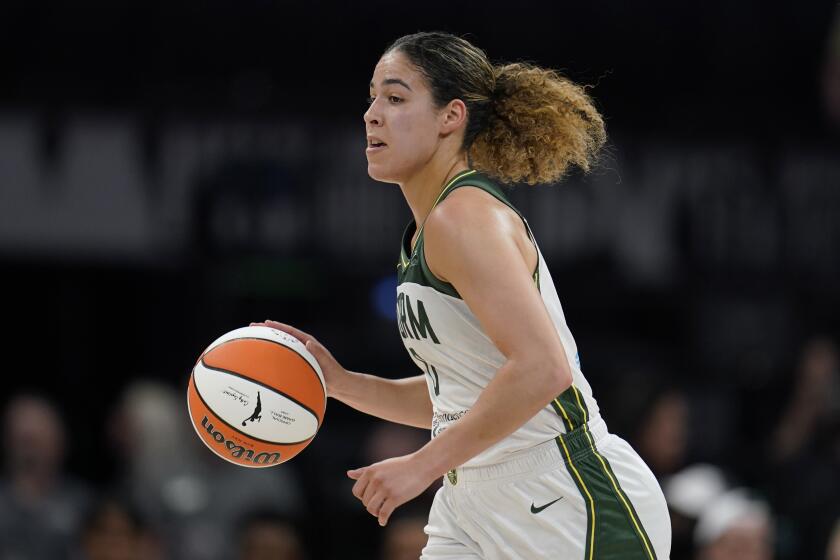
{"type": "Point", "coordinates": [530, 469]}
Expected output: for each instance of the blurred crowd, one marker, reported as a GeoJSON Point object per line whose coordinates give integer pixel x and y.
{"type": "Point", "coordinates": [171, 498]}
{"type": "Point", "coordinates": [775, 492]}
{"type": "Point", "coordinates": [777, 495]}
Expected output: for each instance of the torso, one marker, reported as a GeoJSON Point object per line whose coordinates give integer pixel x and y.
{"type": "Point", "coordinates": [445, 339]}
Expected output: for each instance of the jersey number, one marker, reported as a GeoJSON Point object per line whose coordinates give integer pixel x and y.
{"type": "Point", "coordinates": [430, 369]}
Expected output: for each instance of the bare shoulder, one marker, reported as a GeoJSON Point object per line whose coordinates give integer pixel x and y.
{"type": "Point", "coordinates": [470, 211]}
{"type": "Point", "coordinates": [472, 224]}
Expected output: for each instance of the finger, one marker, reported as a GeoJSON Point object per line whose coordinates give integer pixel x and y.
{"type": "Point", "coordinates": [288, 329]}
{"type": "Point", "coordinates": [375, 504]}
{"type": "Point", "coordinates": [355, 474]}
{"type": "Point", "coordinates": [385, 512]}
{"type": "Point", "coordinates": [360, 486]}
{"type": "Point", "coordinates": [371, 490]}
{"type": "Point", "coordinates": [322, 355]}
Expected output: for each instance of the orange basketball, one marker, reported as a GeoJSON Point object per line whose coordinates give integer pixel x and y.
{"type": "Point", "coordinates": [256, 397]}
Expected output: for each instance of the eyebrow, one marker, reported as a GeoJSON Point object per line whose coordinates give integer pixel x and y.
{"type": "Point", "coordinates": [390, 81]}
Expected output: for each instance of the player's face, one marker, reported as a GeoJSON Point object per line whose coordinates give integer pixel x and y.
{"type": "Point", "coordinates": [402, 122]}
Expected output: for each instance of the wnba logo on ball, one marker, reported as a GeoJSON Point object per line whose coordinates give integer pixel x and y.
{"type": "Point", "coordinates": [238, 451]}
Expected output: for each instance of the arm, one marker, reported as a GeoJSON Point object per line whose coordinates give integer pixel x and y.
{"type": "Point", "coordinates": [481, 247]}
{"type": "Point", "coordinates": [485, 255]}
{"type": "Point", "coordinates": [404, 401]}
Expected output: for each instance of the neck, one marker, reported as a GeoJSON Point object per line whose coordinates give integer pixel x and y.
{"type": "Point", "coordinates": [422, 189]}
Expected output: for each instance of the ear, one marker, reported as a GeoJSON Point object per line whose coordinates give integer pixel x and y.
{"type": "Point", "coordinates": [453, 116]}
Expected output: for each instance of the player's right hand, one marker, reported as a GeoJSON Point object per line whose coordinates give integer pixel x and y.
{"type": "Point", "coordinates": [333, 372]}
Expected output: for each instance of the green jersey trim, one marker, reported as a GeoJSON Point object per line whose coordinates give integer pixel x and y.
{"type": "Point", "coordinates": [416, 270]}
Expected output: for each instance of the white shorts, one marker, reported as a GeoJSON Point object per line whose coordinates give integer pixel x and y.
{"type": "Point", "coordinates": [585, 495]}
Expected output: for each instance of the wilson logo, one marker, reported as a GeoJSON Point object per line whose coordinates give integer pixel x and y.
{"type": "Point", "coordinates": [237, 451]}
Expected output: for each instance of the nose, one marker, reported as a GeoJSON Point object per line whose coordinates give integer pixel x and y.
{"type": "Point", "coordinates": [372, 116]}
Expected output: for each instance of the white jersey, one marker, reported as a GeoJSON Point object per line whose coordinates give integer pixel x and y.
{"type": "Point", "coordinates": [444, 338]}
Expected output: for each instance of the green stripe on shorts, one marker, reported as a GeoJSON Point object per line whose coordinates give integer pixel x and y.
{"type": "Point", "coordinates": [613, 528]}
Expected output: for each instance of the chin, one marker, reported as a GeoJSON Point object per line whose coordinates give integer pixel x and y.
{"type": "Point", "coordinates": [380, 173]}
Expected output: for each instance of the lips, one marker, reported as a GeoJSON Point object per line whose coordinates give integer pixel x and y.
{"type": "Point", "coordinates": [375, 143]}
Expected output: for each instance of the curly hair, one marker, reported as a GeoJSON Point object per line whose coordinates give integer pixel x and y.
{"type": "Point", "coordinates": [524, 123]}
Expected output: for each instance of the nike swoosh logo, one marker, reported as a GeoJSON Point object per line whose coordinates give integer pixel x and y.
{"type": "Point", "coordinates": [535, 509]}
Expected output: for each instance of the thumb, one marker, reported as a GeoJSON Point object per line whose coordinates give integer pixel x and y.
{"type": "Point", "coordinates": [356, 474]}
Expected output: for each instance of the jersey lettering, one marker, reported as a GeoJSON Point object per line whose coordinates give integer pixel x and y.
{"type": "Point", "coordinates": [416, 326]}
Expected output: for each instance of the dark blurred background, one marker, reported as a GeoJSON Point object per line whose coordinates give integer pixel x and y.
{"type": "Point", "coordinates": [170, 171]}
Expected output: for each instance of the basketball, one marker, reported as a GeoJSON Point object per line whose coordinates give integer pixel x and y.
{"type": "Point", "coordinates": [256, 397]}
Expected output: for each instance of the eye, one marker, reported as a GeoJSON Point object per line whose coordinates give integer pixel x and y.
{"type": "Point", "coordinates": [394, 99]}
{"type": "Point", "coordinates": [370, 99]}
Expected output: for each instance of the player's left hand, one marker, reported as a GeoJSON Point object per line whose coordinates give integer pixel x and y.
{"type": "Point", "coordinates": [383, 487]}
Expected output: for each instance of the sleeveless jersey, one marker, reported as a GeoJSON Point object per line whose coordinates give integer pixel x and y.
{"type": "Point", "coordinates": [444, 338]}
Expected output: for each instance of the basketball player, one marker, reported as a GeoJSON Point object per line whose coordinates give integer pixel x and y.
{"type": "Point", "coordinates": [530, 470]}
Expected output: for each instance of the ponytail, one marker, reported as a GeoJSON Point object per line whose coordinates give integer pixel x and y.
{"type": "Point", "coordinates": [541, 123]}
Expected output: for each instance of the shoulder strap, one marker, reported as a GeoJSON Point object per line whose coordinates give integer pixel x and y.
{"type": "Point", "coordinates": [481, 181]}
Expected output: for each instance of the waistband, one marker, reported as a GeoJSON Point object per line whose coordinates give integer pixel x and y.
{"type": "Point", "coordinates": [544, 456]}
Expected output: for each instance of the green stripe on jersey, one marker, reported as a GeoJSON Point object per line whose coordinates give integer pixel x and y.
{"type": "Point", "coordinates": [572, 408]}
{"type": "Point", "coordinates": [412, 266]}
